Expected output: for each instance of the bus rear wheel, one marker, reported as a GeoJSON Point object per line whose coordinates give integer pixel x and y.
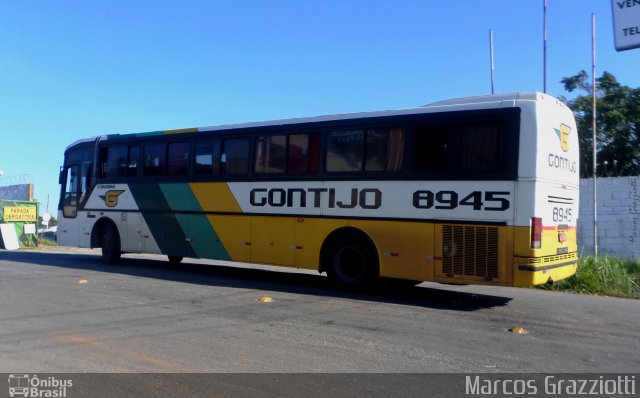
{"type": "Point", "coordinates": [110, 244]}
{"type": "Point", "coordinates": [351, 263]}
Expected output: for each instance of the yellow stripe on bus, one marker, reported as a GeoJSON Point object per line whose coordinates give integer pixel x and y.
{"type": "Point", "coordinates": [215, 197]}
{"type": "Point", "coordinates": [405, 249]}
{"type": "Point", "coordinates": [234, 234]}
{"type": "Point", "coordinates": [181, 131]}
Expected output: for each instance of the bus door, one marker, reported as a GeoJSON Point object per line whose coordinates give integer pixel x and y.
{"type": "Point", "coordinates": [137, 234]}
{"type": "Point", "coordinates": [75, 180]}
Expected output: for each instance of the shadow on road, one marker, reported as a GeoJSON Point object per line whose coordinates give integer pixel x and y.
{"type": "Point", "coordinates": [231, 276]}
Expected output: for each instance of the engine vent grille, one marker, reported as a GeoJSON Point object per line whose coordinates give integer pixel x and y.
{"type": "Point", "coordinates": [470, 251]}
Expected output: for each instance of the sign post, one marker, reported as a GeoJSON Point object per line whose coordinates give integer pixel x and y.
{"type": "Point", "coordinates": [626, 24]}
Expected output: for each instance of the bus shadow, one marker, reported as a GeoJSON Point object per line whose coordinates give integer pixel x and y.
{"type": "Point", "coordinates": [230, 276]}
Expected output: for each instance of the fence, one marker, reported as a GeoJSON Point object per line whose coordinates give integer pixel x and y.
{"type": "Point", "coordinates": [618, 217]}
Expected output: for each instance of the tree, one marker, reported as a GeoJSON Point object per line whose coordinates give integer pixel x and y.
{"type": "Point", "coordinates": [52, 222]}
{"type": "Point", "coordinates": [617, 124]}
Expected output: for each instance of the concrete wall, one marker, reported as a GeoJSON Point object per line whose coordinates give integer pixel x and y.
{"type": "Point", "coordinates": [618, 217]}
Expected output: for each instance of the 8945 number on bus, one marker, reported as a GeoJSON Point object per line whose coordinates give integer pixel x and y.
{"type": "Point", "coordinates": [449, 200]}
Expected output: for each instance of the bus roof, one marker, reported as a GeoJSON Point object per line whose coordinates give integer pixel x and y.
{"type": "Point", "coordinates": [463, 103]}
{"type": "Point", "coordinates": [491, 101]}
{"type": "Point", "coordinates": [481, 99]}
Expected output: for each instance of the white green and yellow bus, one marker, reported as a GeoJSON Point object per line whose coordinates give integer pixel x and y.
{"type": "Point", "coordinates": [478, 190]}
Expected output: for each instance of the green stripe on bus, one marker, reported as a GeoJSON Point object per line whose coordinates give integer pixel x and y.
{"type": "Point", "coordinates": [127, 137]}
{"type": "Point", "coordinates": [167, 231]}
{"type": "Point", "coordinates": [203, 238]}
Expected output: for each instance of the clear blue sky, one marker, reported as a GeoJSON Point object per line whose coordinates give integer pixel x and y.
{"type": "Point", "coordinates": [75, 69]}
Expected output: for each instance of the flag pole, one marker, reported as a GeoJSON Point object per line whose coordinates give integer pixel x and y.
{"type": "Point", "coordinates": [492, 65]}
{"type": "Point", "coordinates": [544, 46]}
{"type": "Point", "coordinates": [595, 164]}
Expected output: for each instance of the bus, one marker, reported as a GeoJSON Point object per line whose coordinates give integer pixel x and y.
{"type": "Point", "coordinates": [477, 190]}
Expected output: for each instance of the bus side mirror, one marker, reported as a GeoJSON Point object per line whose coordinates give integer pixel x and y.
{"type": "Point", "coordinates": [61, 176]}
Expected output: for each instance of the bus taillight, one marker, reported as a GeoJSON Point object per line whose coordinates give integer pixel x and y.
{"type": "Point", "coordinates": [536, 233]}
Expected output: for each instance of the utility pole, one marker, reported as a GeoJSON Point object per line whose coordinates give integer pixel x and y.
{"type": "Point", "coordinates": [595, 164]}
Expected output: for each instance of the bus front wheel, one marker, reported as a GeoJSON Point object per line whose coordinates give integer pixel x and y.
{"type": "Point", "coordinates": [351, 263]}
{"type": "Point", "coordinates": [110, 244]}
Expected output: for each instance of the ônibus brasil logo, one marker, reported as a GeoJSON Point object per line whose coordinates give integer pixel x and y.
{"type": "Point", "coordinates": [23, 385]}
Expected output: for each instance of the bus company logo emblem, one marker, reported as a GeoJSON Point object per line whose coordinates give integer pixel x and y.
{"type": "Point", "coordinates": [111, 197]}
{"type": "Point", "coordinates": [563, 135]}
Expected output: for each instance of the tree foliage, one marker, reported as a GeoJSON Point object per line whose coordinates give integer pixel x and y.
{"type": "Point", "coordinates": [617, 125]}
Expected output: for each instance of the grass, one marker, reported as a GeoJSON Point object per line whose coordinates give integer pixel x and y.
{"type": "Point", "coordinates": [47, 242]}
{"type": "Point", "coordinates": [609, 276]}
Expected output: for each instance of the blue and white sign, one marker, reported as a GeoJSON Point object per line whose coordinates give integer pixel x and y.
{"type": "Point", "coordinates": [626, 24]}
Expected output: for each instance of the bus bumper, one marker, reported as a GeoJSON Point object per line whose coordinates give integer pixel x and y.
{"type": "Point", "coordinates": [544, 270]}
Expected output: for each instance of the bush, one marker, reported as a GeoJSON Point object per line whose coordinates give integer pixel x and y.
{"type": "Point", "coordinates": [47, 242]}
{"type": "Point", "coordinates": [604, 275]}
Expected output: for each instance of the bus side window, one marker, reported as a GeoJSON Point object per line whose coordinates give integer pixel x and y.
{"type": "Point", "coordinates": [376, 150]}
{"type": "Point", "coordinates": [295, 153]}
{"type": "Point", "coordinates": [134, 156]}
{"type": "Point", "coordinates": [235, 156]}
{"type": "Point", "coordinates": [178, 159]}
{"type": "Point", "coordinates": [483, 147]}
{"type": "Point", "coordinates": [345, 151]}
{"type": "Point", "coordinates": [303, 153]}
{"type": "Point", "coordinates": [154, 159]}
{"type": "Point", "coordinates": [435, 148]}
{"type": "Point", "coordinates": [473, 146]}
{"type": "Point", "coordinates": [395, 150]}
{"type": "Point", "coordinates": [117, 161]}
{"type": "Point", "coordinates": [103, 162]}
{"type": "Point", "coordinates": [384, 150]}
{"type": "Point", "coordinates": [207, 157]}
{"type": "Point", "coordinates": [270, 154]}
{"type": "Point", "coordinates": [314, 152]}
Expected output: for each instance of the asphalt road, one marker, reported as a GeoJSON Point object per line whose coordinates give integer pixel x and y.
{"type": "Point", "coordinates": [65, 311]}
